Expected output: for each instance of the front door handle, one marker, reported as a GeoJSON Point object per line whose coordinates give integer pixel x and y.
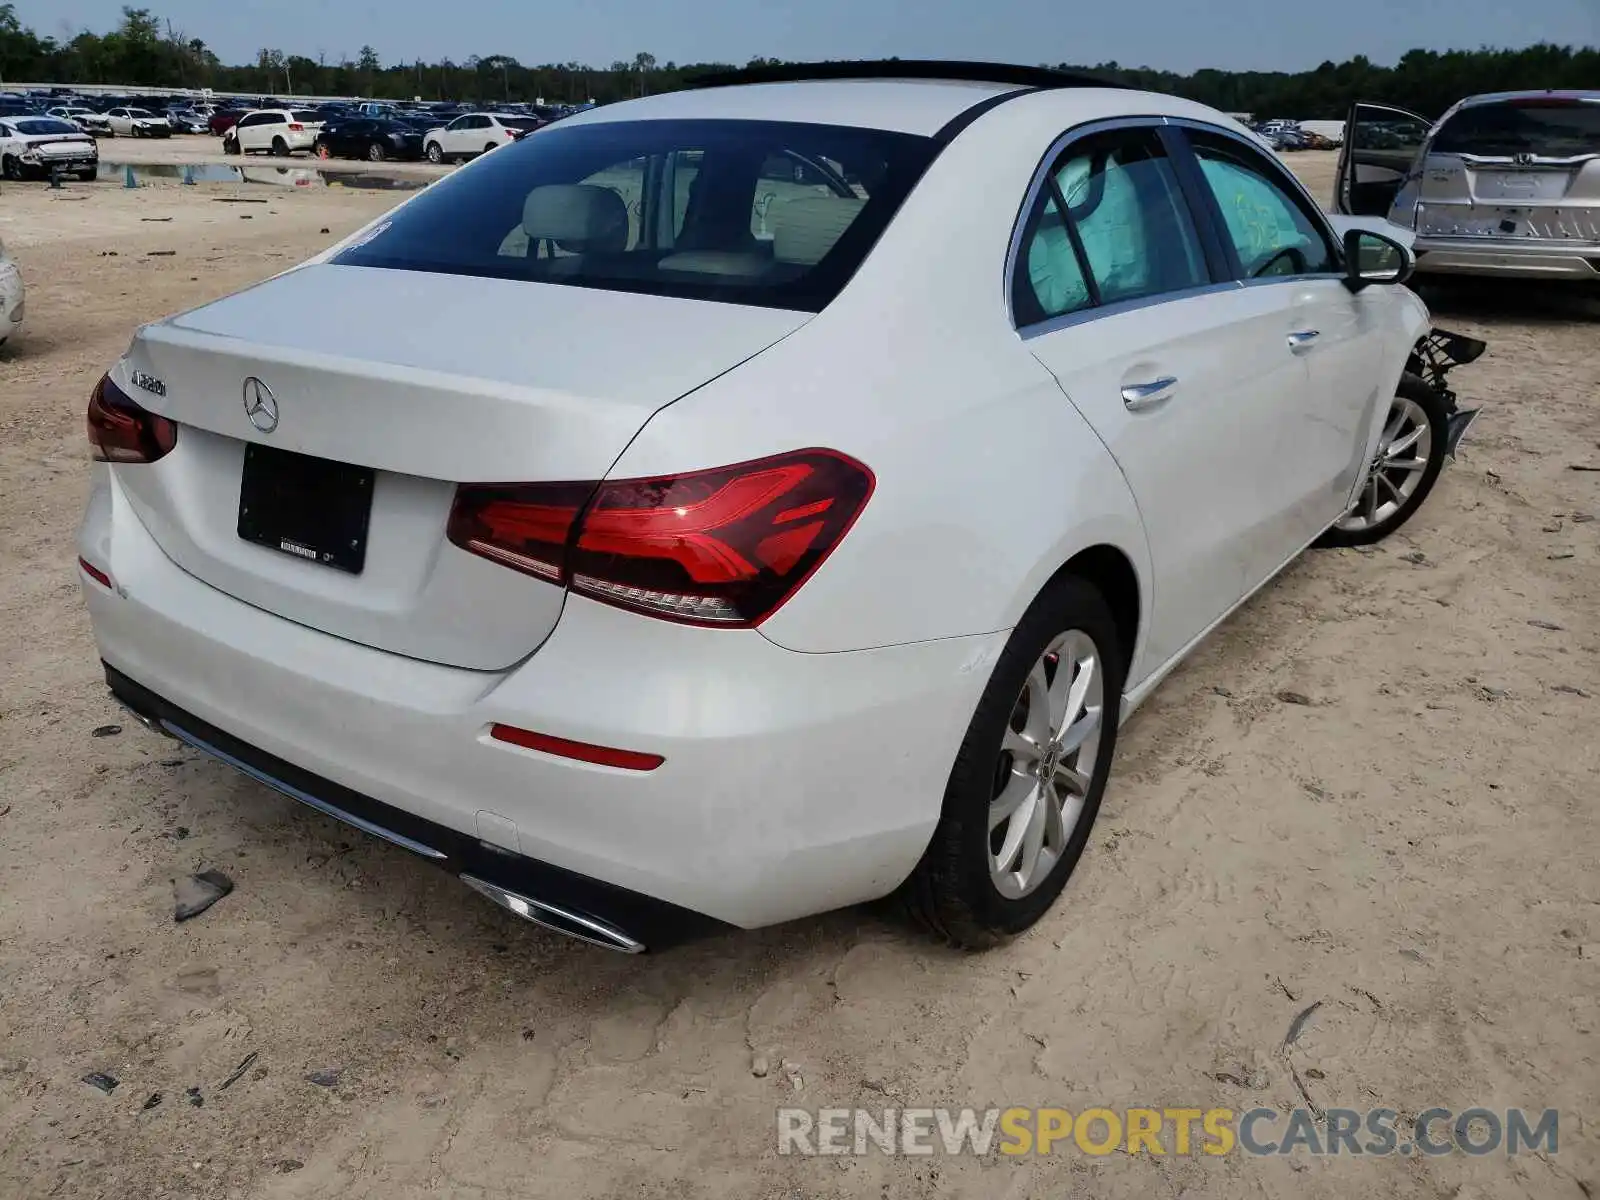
{"type": "Point", "coordinates": [1140, 396]}
{"type": "Point", "coordinates": [1303, 339]}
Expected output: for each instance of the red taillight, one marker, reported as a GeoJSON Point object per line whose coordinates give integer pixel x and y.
{"type": "Point", "coordinates": [294, 128]}
{"type": "Point", "coordinates": [605, 756]}
{"type": "Point", "coordinates": [94, 572]}
{"type": "Point", "coordinates": [722, 547]}
{"type": "Point", "coordinates": [122, 432]}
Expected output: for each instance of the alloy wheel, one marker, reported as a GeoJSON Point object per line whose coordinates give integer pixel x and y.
{"type": "Point", "coordinates": [1046, 763]}
{"type": "Point", "coordinates": [1397, 467]}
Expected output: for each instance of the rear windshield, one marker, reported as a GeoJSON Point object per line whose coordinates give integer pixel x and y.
{"type": "Point", "coordinates": [304, 114]}
{"type": "Point", "coordinates": [520, 122]}
{"type": "Point", "coordinates": [747, 212]}
{"type": "Point", "coordinates": [44, 126]}
{"type": "Point", "coordinates": [1553, 129]}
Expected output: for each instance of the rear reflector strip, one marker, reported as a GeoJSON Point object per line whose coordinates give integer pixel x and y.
{"type": "Point", "coordinates": [95, 573]}
{"type": "Point", "coordinates": [605, 756]}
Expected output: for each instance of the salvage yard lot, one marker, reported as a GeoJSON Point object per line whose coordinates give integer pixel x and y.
{"type": "Point", "coordinates": [1373, 790]}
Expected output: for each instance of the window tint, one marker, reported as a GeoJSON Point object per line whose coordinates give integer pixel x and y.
{"type": "Point", "coordinates": [1554, 128]}
{"type": "Point", "coordinates": [305, 115]}
{"type": "Point", "coordinates": [1264, 218]}
{"type": "Point", "coordinates": [665, 207]}
{"type": "Point", "coordinates": [42, 126]}
{"type": "Point", "coordinates": [1110, 225]}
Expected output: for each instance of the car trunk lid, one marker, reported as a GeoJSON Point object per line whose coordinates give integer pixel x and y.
{"type": "Point", "coordinates": [1525, 169]}
{"type": "Point", "coordinates": [425, 380]}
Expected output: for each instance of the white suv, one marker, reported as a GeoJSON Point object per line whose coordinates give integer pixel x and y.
{"type": "Point", "coordinates": [276, 131]}
{"type": "Point", "coordinates": [476, 133]}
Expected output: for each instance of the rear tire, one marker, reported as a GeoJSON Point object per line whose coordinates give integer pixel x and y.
{"type": "Point", "coordinates": [489, 147]}
{"type": "Point", "coordinates": [968, 890]}
{"type": "Point", "coordinates": [1418, 424]}
{"type": "Point", "coordinates": [280, 148]}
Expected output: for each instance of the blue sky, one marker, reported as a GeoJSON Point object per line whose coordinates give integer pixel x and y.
{"type": "Point", "coordinates": [1174, 34]}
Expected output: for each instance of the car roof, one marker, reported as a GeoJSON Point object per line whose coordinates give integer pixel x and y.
{"type": "Point", "coordinates": [917, 106]}
{"type": "Point", "coordinates": [1530, 94]}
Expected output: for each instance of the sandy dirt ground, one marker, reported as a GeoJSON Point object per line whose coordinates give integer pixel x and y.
{"type": "Point", "coordinates": [197, 148]}
{"type": "Point", "coordinates": [1416, 850]}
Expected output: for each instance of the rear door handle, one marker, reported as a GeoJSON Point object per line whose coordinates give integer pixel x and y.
{"type": "Point", "coordinates": [1304, 339]}
{"type": "Point", "coordinates": [1140, 396]}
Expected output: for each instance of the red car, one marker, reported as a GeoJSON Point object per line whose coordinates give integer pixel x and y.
{"type": "Point", "coordinates": [224, 120]}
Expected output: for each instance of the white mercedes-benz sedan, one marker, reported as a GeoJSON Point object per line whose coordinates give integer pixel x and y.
{"type": "Point", "coordinates": [735, 504]}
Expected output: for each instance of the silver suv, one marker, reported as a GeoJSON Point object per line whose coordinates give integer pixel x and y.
{"type": "Point", "coordinates": [1505, 184]}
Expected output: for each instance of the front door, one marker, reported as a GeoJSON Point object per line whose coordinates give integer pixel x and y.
{"type": "Point", "coordinates": [1382, 148]}
{"type": "Point", "coordinates": [1182, 373]}
{"type": "Point", "coordinates": [1277, 241]}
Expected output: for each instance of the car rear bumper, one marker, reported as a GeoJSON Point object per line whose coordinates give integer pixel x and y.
{"type": "Point", "coordinates": [1508, 258]}
{"type": "Point", "coordinates": [792, 783]}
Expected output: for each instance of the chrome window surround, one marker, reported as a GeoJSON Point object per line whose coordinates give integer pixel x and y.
{"type": "Point", "coordinates": [1154, 121]}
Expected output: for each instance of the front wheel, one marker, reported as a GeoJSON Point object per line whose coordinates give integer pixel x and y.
{"type": "Point", "coordinates": [11, 167]}
{"type": "Point", "coordinates": [322, 150]}
{"type": "Point", "coordinates": [434, 154]}
{"type": "Point", "coordinates": [230, 145]}
{"type": "Point", "coordinates": [376, 152]}
{"type": "Point", "coordinates": [1407, 463]}
{"type": "Point", "coordinates": [1027, 782]}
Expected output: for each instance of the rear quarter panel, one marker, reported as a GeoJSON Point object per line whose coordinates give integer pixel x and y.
{"type": "Point", "coordinates": [987, 480]}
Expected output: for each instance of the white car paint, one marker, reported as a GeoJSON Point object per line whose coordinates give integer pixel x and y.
{"type": "Point", "coordinates": [86, 119]}
{"type": "Point", "coordinates": [258, 131]}
{"type": "Point", "coordinates": [61, 144]}
{"type": "Point", "coordinates": [805, 760]}
{"type": "Point", "coordinates": [11, 297]}
{"type": "Point", "coordinates": [472, 133]}
{"type": "Point", "coordinates": [136, 122]}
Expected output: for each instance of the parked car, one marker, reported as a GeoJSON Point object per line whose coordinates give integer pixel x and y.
{"type": "Point", "coordinates": [12, 295]}
{"type": "Point", "coordinates": [185, 120]}
{"type": "Point", "coordinates": [371, 138]}
{"type": "Point", "coordinates": [475, 133]}
{"type": "Point", "coordinates": [870, 557]}
{"type": "Point", "coordinates": [39, 145]}
{"type": "Point", "coordinates": [135, 122]}
{"type": "Point", "coordinates": [1503, 184]}
{"type": "Point", "coordinates": [276, 131]}
{"type": "Point", "coordinates": [84, 118]}
{"type": "Point", "coordinates": [224, 119]}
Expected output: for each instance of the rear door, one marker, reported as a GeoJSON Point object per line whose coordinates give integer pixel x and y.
{"type": "Point", "coordinates": [1184, 374]}
{"type": "Point", "coordinates": [1382, 147]}
{"type": "Point", "coordinates": [1520, 169]}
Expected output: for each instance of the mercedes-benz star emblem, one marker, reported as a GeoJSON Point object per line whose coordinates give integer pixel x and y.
{"type": "Point", "coordinates": [260, 405]}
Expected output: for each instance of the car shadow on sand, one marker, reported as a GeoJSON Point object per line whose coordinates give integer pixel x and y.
{"type": "Point", "coordinates": [1531, 300]}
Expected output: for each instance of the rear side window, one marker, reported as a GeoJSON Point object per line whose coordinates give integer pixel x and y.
{"type": "Point", "coordinates": [1110, 225]}
{"type": "Point", "coordinates": [1553, 128]}
{"type": "Point", "coordinates": [680, 208]}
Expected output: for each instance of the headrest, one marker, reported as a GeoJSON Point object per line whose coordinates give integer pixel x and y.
{"type": "Point", "coordinates": [805, 229]}
{"type": "Point", "coordinates": [580, 216]}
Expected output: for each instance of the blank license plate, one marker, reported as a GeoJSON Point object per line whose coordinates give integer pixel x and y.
{"type": "Point", "coordinates": [312, 508]}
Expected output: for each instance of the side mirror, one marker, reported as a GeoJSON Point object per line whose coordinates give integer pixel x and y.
{"type": "Point", "coordinates": [1371, 258]}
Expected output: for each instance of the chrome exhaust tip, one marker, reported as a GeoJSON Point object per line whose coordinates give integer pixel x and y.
{"type": "Point", "coordinates": [149, 722]}
{"type": "Point", "coordinates": [556, 919]}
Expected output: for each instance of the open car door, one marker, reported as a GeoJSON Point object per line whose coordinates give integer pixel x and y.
{"type": "Point", "coordinates": [1380, 145]}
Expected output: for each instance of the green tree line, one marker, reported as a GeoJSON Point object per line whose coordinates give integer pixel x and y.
{"type": "Point", "coordinates": [145, 51]}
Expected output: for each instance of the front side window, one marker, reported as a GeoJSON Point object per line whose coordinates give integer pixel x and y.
{"type": "Point", "coordinates": [680, 208]}
{"type": "Point", "coordinates": [1110, 225]}
{"type": "Point", "coordinates": [1264, 219]}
